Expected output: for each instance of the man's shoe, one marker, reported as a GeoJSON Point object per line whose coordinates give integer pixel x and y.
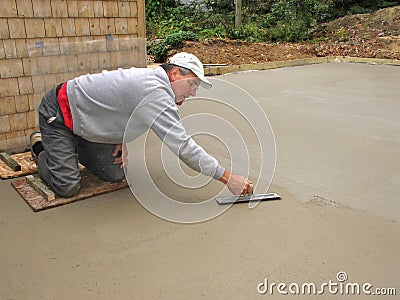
{"type": "Point", "coordinates": [36, 145]}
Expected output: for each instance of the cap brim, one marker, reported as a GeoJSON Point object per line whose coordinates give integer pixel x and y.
{"type": "Point", "coordinates": [205, 83]}
{"type": "Point", "coordinates": [203, 80]}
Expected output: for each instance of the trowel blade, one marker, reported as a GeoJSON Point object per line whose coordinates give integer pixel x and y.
{"type": "Point", "coordinates": [247, 198]}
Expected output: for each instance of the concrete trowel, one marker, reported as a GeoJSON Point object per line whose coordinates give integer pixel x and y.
{"type": "Point", "coordinates": [247, 198]}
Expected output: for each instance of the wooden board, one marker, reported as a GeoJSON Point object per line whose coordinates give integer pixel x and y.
{"type": "Point", "coordinates": [91, 186]}
{"type": "Point", "coordinates": [40, 187]}
{"type": "Point", "coordinates": [10, 162]}
{"type": "Point", "coordinates": [28, 166]}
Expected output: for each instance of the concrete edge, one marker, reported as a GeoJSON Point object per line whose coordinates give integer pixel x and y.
{"type": "Point", "coordinates": [220, 70]}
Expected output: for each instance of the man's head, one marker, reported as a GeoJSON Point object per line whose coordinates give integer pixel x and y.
{"type": "Point", "coordinates": [186, 73]}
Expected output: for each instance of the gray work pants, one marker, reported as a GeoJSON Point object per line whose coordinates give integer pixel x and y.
{"type": "Point", "coordinates": [58, 163]}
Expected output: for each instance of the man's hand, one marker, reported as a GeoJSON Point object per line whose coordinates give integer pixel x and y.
{"type": "Point", "coordinates": [237, 185]}
{"type": "Point", "coordinates": [121, 151]}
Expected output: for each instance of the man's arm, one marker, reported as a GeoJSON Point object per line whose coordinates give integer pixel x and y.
{"type": "Point", "coordinates": [163, 118]}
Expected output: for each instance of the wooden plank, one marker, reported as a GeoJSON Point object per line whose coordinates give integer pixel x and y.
{"type": "Point", "coordinates": [10, 162]}
{"type": "Point", "coordinates": [92, 186]}
{"type": "Point", "coordinates": [39, 187]}
{"type": "Point", "coordinates": [28, 166]}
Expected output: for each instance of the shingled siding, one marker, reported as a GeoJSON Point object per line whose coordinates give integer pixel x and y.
{"type": "Point", "coordinates": [45, 42]}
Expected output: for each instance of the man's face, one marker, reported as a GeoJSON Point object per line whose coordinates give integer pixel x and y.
{"type": "Point", "coordinates": [183, 86]}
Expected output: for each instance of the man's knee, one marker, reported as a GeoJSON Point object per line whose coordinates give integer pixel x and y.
{"type": "Point", "coordinates": [112, 174]}
{"type": "Point", "coordinates": [118, 177]}
{"type": "Point", "coordinates": [64, 185]}
{"type": "Point", "coordinates": [67, 190]}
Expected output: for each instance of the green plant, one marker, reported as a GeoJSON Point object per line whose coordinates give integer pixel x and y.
{"type": "Point", "coordinates": [250, 32]}
{"type": "Point", "coordinates": [158, 8]}
{"type": "Point", "coordinates": [217, 32]}
{"type": "Point", "coordinates": [293, 20]}
{"type": "Point", "coordinates": [341, 35]}
{"type": "Point", "coordinates": [160, 50]}
{"type": "Point", "coordinates": [262, 20]}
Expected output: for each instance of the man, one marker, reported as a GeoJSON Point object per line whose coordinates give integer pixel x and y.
{"type": "Point", "coordinates": [85, 119]}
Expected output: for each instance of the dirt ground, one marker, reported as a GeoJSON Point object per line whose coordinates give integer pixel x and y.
{"type": "Point", "coordinates": [375, 35]}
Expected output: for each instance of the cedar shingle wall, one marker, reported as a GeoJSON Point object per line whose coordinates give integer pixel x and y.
{"type": "Point", "coordinates": [45, 42]}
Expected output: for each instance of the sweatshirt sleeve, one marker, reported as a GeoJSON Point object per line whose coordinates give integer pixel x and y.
{"type": "Point", "coordinates": [161, 114]}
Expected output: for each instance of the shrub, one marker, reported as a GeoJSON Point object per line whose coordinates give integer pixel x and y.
{"type": "Point", "coordinates": [249, 32]}
{"type": "Point", "coordinates": [293, 20]}
{"type": "Point", "coordinates": [173, 40]}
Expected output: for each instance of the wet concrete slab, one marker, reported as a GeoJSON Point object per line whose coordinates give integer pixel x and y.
{"type": "Point", "coordinates": [337, 133]}
{"type": "Point", "coordinates": [337, 130]}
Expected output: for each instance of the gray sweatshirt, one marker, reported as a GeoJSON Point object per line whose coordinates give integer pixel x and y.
{"type": "Point", "coordinates": [102, 104]}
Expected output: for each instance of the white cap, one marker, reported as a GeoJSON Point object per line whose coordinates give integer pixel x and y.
{"type": "Point", "coordinates": [191, 62]}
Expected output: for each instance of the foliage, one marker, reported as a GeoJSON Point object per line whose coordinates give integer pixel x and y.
{"type": "Point", "coordinates": [173, 19]}
{"type": "Point", "coordinates": [339, 8]}
{"type": "Point", "coordinates": [160, 50]}
{"type": "Point", "coordinates": [293, 20]}
{"type": "Point", "coordinates": [250, 32]}
{"type": "Point", "coordinates": [263, 20]}
{"type": "Point", "coordinates": [158, 8]}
